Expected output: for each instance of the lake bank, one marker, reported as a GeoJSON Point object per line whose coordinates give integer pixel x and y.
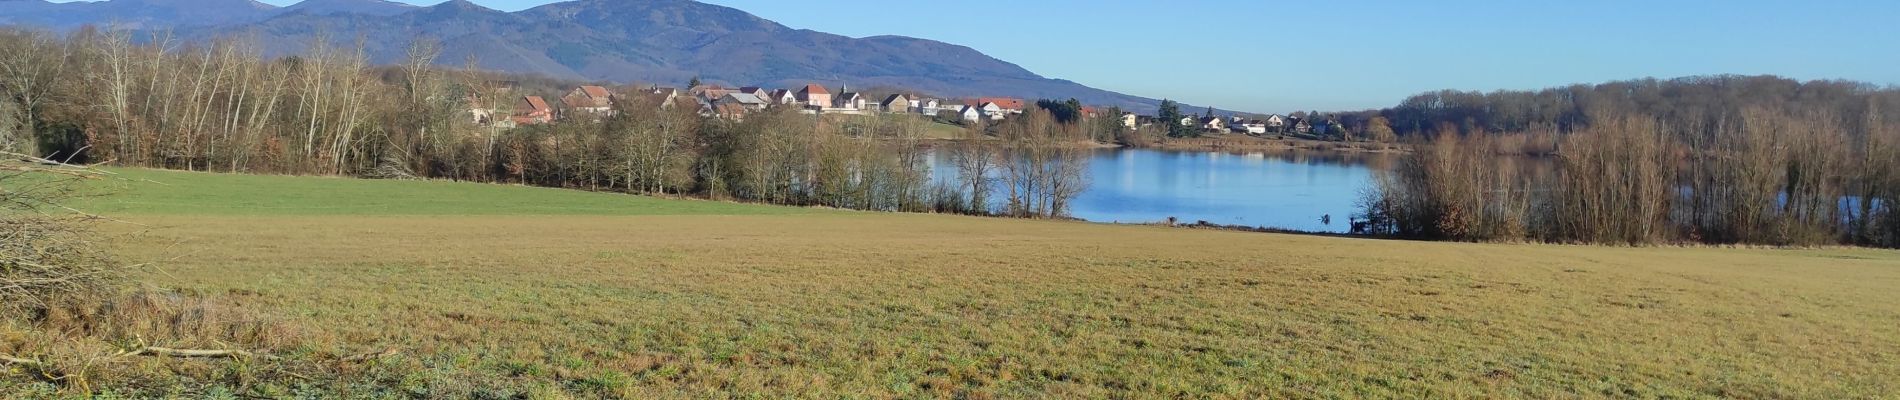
{"type": "Point", "coordinates": [1234, 142]}
{"type": "Point", "coordinates": [1227, 143]}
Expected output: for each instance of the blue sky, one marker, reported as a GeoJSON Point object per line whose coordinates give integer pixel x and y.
{"type": "Point", "coordinates": [1280, 56]}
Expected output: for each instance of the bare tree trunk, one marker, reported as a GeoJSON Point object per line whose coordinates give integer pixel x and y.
{"type": "Point", "coordinates": [31, 63]}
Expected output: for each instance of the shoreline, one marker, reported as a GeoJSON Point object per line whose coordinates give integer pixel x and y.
{"type": "Point", "coordinates": [1249, 143]}
{"type": "Point", "coordinates": [1232, 144]}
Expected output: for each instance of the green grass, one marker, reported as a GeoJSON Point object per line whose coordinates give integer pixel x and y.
{"type": "Point", "coordinates": [144, 191]}
{"type": "Point", "coordinates": [939, 130]}
{"type": "Point", "coordinates": [632, 297]}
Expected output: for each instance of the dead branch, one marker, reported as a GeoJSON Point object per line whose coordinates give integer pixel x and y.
{"type": "Point", "coordinates": [20, 361]}
{"type": "Point", "coordinates": [50, 165]}
{"type": "Point", "coordinates": [195, 353]}
{"type": "Point", "coordinates": [157, 351]}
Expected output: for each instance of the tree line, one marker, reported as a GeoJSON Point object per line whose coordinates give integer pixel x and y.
{"type": "Point", "coordinates": [1727, 159]}
{"type": "Point", "coordinates": [103, 96]}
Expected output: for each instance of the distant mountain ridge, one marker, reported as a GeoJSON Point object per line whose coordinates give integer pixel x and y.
{"type": "Point", "coordinates": [665, 41]}
{"type": "Point", "coordinates": [365, 7]}
{"type": "Point", "coordinates": [138, 14]}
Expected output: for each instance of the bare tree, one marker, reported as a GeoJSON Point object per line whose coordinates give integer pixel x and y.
{"type": "Point", "coordinates": [30, 65]}
{"type": "Point", "coordinates": [976, 162]}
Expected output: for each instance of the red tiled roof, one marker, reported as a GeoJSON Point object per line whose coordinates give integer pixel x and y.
{"type": "Point", "coordinates": [595, 91]}
{"type": "Point", "coordinates": [537, 104]}
{"type": "Point", "coordinates": [1003, 102]}
{"type": "Point", "coordinates": [573, 101]}
{"type": "Point", "coordinates": [814, 89]}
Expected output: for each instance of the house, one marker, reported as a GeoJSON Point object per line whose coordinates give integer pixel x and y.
{"type": "Point", "coordinates": [784, 97]}
{"type": "Point", "coordinates": [1248, 126]}
{"type": "Point", "coordinates": [850, 101]}
{"type": "Point", "coordinates": [727, 110]}
{"type": "Point", "coordinates": [478, 111]}
{"type": "Point", "coordinates": [756, 91]}
{"type": "Point", "coordinates": [745, 101]}
{"type": "Point", "coordinates": [926, 106]}
{"type": "Point", "coordinates": [1006, 104]}
{"type": "Point", "coordinates": [532, 110]}
{"type": "Point", "coordinates": [708, 92]}
{"type": "Point", "coordinates": [704, 106]}
{"type": "Point", "coordinates": [1275, 121]}
{"type": "Point", "coordinates": [1213, 124]}
{"type": "Point", "coordinates": [971, 114]}
{"type": "Point", "coordinates": [589, 99]}
{"type": "Point", "coordinates": [1190, 121]}
{"type": "Point", "coordinates": [814, 96]}
{"type": "Point", "coordinates": [1090, 112]}
{"type": "Point", "coordinates": [992, 110]}
{"type": "Point", "coordinates": [895, 103]}
{"type": "Point", "coordinates": [481, 116]}
{"type": "Point", "coordinates": [1129, 119]}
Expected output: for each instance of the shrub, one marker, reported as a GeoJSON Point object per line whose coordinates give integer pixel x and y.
{"type": "Point", "coordinates": [47, 256]}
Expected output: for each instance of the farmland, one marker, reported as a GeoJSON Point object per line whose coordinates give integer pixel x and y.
{"type": "Point", "coordinates": [516, 291]}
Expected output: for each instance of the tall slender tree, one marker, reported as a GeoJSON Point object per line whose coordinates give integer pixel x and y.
{"type": "Point", "coordinates": [1170, 115]}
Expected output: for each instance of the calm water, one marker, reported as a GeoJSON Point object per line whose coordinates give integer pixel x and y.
{"type": "Point", "coordinates": [1290, 190]}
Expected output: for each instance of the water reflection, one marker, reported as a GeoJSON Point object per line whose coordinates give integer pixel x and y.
{"type": "Point", "coordinates": [1289, 190]}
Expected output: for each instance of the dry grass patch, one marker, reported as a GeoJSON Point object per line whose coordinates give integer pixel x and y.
{"type": "Point", "coordinates": [881, 305]}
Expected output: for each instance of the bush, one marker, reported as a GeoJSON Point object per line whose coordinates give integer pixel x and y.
{"type": "Point", "coordinates": [1613, 185]}
{"type": "Point", "coordinates": [1449, 188]}
{"type": "Point", "coordinates": [65, 310]}
{"type": "Point", "coordinates": [47, 257]}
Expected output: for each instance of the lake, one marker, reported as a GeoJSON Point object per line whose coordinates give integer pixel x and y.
{"type": "Point", "coordinates": [1286, 190]}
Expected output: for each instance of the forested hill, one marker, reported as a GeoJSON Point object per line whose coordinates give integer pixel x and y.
{"type": "Point", "coordinates": [653, 41]}
{"type": "Point", "coordinates": [1697, 104]}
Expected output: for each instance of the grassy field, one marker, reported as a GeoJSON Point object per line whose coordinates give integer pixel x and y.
{"type": "Point", "coordinates": [510, 291]}
{"type": "Point", "coordinates": [939, 130]}
{"type": "Point", "coordinates": [151, 192]}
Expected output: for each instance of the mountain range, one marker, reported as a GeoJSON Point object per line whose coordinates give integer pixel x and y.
{"type": "Point", "coordinates": [625, 41]}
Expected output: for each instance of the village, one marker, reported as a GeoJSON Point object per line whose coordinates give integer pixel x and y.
{"type": "Point", "coordinates": [716, 101]}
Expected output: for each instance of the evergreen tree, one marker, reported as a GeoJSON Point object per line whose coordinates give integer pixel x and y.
{"type": "Point", "coordinates": [1067, 112]}
{"type": "Point", "coordinates": [693, 83]}
{"type": "Point", "coordinates": [1170, 115]}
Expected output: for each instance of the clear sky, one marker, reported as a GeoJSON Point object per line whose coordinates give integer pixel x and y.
{"type": "Point", "coordinates": [1281, 56]}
